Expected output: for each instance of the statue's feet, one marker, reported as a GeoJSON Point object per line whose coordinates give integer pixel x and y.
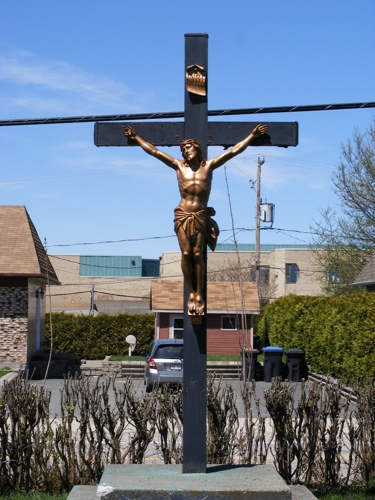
{"type": "Point", "coordinates": [199, 305]}
{"type": "Point", "coordinates": [191, 304]}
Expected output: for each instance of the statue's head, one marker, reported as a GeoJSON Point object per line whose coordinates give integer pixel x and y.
{"type": "Point", "coordinates": [196, 145]}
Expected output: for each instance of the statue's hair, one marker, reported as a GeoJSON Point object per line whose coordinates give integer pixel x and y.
{"type": "Point", "coordinates": [197, 146]}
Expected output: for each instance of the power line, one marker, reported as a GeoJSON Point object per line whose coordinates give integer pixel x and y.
{"type": "Point", "coordinates": [181, 114]}
{"type": "Point", "coordinates": [173, 236]}
{"type": "Point", "coordinates": [112, 241]}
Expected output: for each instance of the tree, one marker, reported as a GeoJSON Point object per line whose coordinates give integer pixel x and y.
{"type": "Point", "coordinates": [245, 271]}
{"type": "Point", "coordinates": [346, 240]}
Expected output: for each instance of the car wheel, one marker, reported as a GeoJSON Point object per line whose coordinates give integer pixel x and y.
{"type": "Point", "coordinates": [148, 388]}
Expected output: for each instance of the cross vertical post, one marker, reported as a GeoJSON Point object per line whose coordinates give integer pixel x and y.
{"type": "Point", "coordinates": [195, 330]}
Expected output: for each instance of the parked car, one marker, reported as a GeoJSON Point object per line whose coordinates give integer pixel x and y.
{"type": "Point", "coordinates": [165, 363]}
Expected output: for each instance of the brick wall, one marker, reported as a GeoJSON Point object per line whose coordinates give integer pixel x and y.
{"type": "Point", "coordinates": [13, 324]}
{"type": "Point", "coordinates": [218, 341]}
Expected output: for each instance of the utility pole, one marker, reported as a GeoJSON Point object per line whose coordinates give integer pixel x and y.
{"type": "Point", "coordinates": [257, 221]}
{"type": "Point", "coordinates": [92, 305]}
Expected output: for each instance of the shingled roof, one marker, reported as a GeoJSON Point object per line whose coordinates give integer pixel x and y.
{"type": "Point", "coordinates": [367, 276]}
{"type": "Point", "coordinates": [222, 296]}
{"type": "Point", "coordinates": [21, 251]}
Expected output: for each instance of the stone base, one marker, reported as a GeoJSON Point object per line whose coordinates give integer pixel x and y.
{"type": "Point", "coordinates": [221, 482]}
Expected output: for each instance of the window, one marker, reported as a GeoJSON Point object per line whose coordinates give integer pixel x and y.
{"type": "Point", "coordinates": [333, 276]}
{"type": "Point", "coordinates": [228, 323]}
{"type": "Point", "coordinates": [264, 273]}
{"type": "Point", "coordinates": [177, 328]}
{"type": "Point", "coordinates": [291, 273]}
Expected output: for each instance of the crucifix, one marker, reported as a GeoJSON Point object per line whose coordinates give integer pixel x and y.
{"type": "Point", "coordinates": [193, 223]}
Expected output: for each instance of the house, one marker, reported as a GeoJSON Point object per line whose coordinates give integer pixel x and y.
{"type": "Point", "coordinates": [25, 271]}
{"type": "Point", "coordinates": [230, 314]}
{"type": "Point", "coordinates": [366, 277]}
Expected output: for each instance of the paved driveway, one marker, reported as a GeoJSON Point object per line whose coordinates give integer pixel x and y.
{"type": "Point", "coordinates": [55, 385]}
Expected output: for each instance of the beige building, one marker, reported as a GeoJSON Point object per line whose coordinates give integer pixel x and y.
{"type": "Point", "coordinates": [123, 283]}
{"type": "Point", "coordinates": [113, 283]}
{"type": "Point", "coordinates": [285, 270]}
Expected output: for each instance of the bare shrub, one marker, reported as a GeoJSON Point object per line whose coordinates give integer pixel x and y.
{"type": "Point", "coordinates": [169, 423]}
{"type": "Point", "coordinates": [363, 431]}
{"type": "Point", "coordinates": [321, 439]}
{"type": "Point", "coordinates": [310, 436]}
{"type": "Point", "coordinates": [252, 446]}
{"type": "Point", "coordinates": [27, 451]}
{"type": "Point", "coordinates": [222, 419]}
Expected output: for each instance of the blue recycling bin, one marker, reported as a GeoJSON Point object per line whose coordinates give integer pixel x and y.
{"type": "Point", "coordinates": [295, 359]}
{"type": "Point", "coordinates": [272, 362]}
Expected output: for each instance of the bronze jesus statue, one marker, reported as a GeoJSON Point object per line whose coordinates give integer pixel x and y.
{"type": "Point", "coordinates": [193, 223]}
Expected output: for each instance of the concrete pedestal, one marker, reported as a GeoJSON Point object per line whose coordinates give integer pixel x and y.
{"type": "Point", "coordinates": [221, 482]}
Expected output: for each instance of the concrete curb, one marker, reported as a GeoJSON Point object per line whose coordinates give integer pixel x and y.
{"type": "Point", "coordinates": [8, 377]}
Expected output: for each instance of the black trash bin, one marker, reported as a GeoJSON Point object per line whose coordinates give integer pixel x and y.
{"type": "Point", "coordinates": [249, 363]}
{"type": "Point", "coordinates": [295, 359]}
{"type": "Point", "coordinates": [272, 361]}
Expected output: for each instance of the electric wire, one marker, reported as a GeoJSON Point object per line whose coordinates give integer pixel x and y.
{"type": "Point", "coordinates": [129, 240]}
{"type": "Point", "coordinates": [181, 114]}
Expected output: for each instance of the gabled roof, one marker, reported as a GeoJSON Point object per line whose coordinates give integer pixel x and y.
{"type": "Point", "coordinates": [367, 276]}
{"type": "Point", "coordinates": [21, 251]}
{"type": "Point", "coordinates": [222, 296]}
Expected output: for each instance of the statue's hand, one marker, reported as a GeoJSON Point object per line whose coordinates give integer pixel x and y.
{"type": "Point", "coordinates": [260, 130]}
{"type": "Point", "coordinates": [129, 132]}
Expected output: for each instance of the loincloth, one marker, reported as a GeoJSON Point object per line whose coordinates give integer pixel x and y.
{"type": "Point", "coordinates": [194, 223]}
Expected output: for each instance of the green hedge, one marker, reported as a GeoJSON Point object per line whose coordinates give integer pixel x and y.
{"type": "Point", "coordinates": [336, 333]}
{"type": "Point", "coordinates": [94, 337]}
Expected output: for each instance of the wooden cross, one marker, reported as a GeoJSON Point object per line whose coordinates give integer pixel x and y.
{"type": "Point", "coordinates": [195, 126]}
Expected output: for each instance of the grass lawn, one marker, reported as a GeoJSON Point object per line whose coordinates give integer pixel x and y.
{"type": "Point", "coordinates": [210, 357]}
{"type": "Point", "coordinates": [358, 492]}
{"type": "Point", "coordinates": [347, 496]}
{"type": "Point", "coordinates": [127, 358]}
{"type": "Point", "coordinates": [222, 357]}
{"type": "Point", "coordinates": [4, 372]}
{"type": "Point", "coordinates": [33, 496]}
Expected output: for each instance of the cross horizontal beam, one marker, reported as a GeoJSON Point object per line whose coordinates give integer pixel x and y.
{"type": "Point", "coordinates": [226, 134]}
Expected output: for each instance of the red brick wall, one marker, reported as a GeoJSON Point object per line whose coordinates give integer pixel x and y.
{"type": "Point", "coordinates": [225, 341]}
{"type": "Point", "coordinates": [164, 326]}
{"type": "Point", "coordinates": [218, 341]}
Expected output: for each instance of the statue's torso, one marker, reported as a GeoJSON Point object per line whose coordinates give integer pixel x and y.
{"type": "Point", "coordinates": [195, 186]}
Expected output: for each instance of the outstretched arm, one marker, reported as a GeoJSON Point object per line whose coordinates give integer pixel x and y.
{"type": "Point", "coordinates": [239, 147]}
{"type": "Point", "coordinates": [150, 148]}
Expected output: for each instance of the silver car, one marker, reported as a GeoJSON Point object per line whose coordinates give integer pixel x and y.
{"type": "Point", "coordinates": [165, 363]}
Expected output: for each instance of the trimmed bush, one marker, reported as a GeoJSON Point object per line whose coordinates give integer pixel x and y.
{"type": "Point", "coordinates": [336, 333]}
{"type": "Point", "coordinates": [94, 337]}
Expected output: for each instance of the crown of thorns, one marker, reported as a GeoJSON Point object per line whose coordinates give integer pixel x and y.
{"type": "Point", "coordinates": [190, 141]}
{"type": "Point", "coordinates": [197, 146]}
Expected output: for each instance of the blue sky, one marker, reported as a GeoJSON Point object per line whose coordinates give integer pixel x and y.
{"type": "Point", "coordinates": [70, 58]}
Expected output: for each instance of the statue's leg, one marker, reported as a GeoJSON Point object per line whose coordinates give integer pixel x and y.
{"type": "Point", "coordinates": [200, 272]}
{"type": "Point", "coordinates": [186, 266]}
